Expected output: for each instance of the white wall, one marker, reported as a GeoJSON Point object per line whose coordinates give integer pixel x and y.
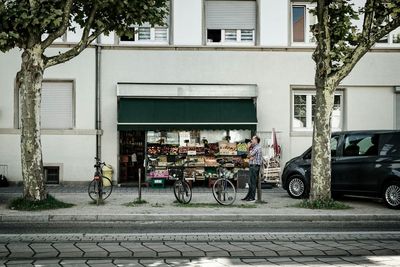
{"type": "Point", "coordinates": [9, 65]}
{"type": "Point", "coordinates": [81, 69]}
{"type": "Point", "coordinates": [187, 22]}
{"type": "Point", "coordinates": [273, 22]}
{"type": "Point", "coordinates": [76, 148]}
{"type": "Point", "coordinates": [74, 152]}
{"type": "Point", "coordinates": [371, 108]}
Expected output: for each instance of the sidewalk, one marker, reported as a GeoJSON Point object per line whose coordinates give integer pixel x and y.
{"type": "Point", "coordinates": [161, 207]}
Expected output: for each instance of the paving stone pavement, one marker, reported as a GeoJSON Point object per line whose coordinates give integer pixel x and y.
{"type": "Point", "coordinates": [346, 261]}
{"type": "Point", "coordinates": [174, 249]}
{"type": "Point", "coordinates": [354, 249]}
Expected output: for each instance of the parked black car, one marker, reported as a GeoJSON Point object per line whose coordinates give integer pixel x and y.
{"type": "Point", "coordinates": [364, 163]}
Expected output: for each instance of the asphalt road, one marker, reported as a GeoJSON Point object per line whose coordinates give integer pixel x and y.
{"type": "Point", "coordinates": [196, 227]}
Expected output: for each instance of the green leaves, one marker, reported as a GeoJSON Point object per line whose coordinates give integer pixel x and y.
{"type": "Point", "coordinates": [22, 25]}
{"type": "Point", "coordinates": [337, 27]}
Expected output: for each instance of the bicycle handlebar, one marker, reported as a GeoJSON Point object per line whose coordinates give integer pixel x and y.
{"type": "Point", "coordinates": [98, 162]}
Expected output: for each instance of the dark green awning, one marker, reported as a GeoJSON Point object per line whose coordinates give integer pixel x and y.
{"type": "Point", "coordinates": [181, 114]}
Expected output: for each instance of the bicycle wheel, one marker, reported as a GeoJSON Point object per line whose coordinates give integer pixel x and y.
{"type": "Point", "coordinates": [182, 192]}
{"type": "Point", "coordinates": [224, 192]}
{"type": "Point", "coordinates": [93, 189]}
{"type": "Point", "coordinates": [107, 188]}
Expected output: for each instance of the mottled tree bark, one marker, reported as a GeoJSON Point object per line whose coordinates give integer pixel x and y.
{"type": "Point", "coordinates": [321, 151]}
{"type": "Point", "coordinates": [29, 83]}
{"type": "Point", "coordinates": [320, 188]}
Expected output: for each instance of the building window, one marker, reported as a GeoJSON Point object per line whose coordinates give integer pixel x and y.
{"type": "Point", "coordinates": [128, 38]}
{"type": "Point", "coordinates": [161, 34]}
{"type": "Point", "coordinates": [146, 34]}
{"type": "Point", "coordinates": [303, 111]}
{"type": "Point", "coordinates": [230, 36]}
{"type": "Point", "coordinates": [232, 22]}
{"type": "Point", "coordinates": [302, 20]}
{"type": "Point", "coordinates": [393, 38]}
{"type": "Point", "coordinates": [57, 109]}
{"type": "Point", "coordinates": [247, 35]}
{"type": "Point", "coordinates": [52, 174]}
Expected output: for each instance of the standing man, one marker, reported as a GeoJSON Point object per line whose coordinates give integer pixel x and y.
{"type": "Point", "coordinates": [256, 159]}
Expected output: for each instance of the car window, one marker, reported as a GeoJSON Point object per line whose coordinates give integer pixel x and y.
{"type": "Point", "coordinates": [334, 145]}
{"type": "Point", "coordinates": [389, 144]}
{"type": "Point", "coordinates": [361, 145]}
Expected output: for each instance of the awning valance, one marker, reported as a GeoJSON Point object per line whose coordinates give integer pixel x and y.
{"type": "Point", "coordinates": [177, 114]}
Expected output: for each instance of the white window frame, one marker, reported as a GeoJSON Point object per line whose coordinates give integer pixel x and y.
{"type": "Point", "coordinates": [309, 124]}
{"type": "Point", "coordinates": [238, 41]}
{"type": "Point", "coordinates": [152, 37]}
{"type": "Point", "coordinates": [307, 33]}
{"type": "Point", "coordinates": [390, 40]}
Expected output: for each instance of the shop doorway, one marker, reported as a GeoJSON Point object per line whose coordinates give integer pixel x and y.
{"type": "Point", "coordinates": [131, 156]}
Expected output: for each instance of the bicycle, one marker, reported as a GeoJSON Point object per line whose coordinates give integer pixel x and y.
{"type": "Point", "coordinates": [100, 187]}
{"type": "Point", "coordinates": [223, 190]}
{"type": "Point", "coordinates": [182, 189]}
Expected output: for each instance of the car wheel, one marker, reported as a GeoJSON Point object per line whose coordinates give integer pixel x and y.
{"type": "Point", "coordinates": [391, 195]}
{"type": "Point", "coordinates": [297, 187]}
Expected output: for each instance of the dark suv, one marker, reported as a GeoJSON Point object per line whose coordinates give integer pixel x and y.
{"type": "Point", "coordinates": [364, 163]}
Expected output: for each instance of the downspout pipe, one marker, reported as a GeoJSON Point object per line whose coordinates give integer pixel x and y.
{"type": "Point", "coordinates": [98, 101]}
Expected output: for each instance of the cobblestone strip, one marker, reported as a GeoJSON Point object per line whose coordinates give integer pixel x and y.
{"type": "Point", "coordinates": [395, 236]}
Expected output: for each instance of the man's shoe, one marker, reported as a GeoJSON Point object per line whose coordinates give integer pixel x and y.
{"type": "Point", "coordinates": [244, 199]}
{"type": "Point", "coordinates": [251, 200]}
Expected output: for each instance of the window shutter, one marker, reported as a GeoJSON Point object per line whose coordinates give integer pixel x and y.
{"type": "Point", "coordinates": [231, 14]}
{"type": "Point", "coordinates": [56, 106]}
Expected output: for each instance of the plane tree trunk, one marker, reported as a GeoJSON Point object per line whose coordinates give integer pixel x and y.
{"type": "Point", "coordinates": [29, 83]}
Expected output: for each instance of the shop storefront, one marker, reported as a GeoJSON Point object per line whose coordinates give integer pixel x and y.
{"type": "Point", "coordinates": [158, 133]}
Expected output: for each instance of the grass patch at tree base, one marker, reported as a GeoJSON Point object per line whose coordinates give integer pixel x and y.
{"type": "Point", "coordinates": [135, 203]}
{"type": "Point", "coordinates": [328, 204]}
{"type": "Point", "coordinates": [28, 205]}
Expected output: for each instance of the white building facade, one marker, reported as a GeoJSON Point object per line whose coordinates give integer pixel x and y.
{"type": "Point", "coordinates": [230, 51]}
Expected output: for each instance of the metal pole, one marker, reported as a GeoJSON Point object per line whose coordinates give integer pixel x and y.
{"type": "Point", "coordinates": [140, 184]}
{"type": "Point", "coordinates": [259, 189]}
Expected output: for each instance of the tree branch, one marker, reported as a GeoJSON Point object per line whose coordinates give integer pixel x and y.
{"type": "Point", "coordinates": [73, 52]}
{"type": "Point", "coordinates": [368, 19]}
{"type": "Point", "coordinates": [363, 48]}
{"type": "Point", "coordinates": [89, 23]}
{"type": "Point", "coordinates": [63, 27]}
{"type": "Point", "coordinates": [86, 39]}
